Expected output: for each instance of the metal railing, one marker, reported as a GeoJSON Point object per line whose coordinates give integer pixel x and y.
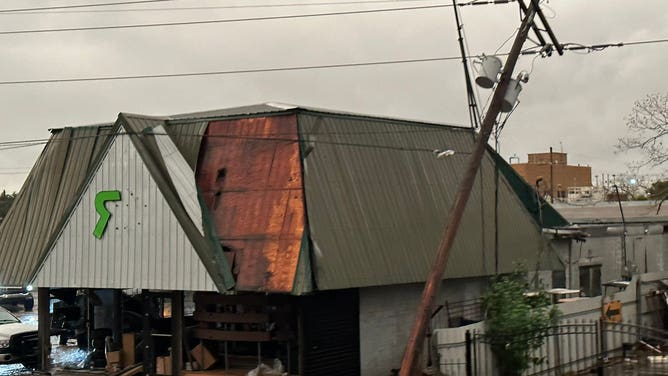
{"type": "Point", "coordinates": [457, 313]}
{"type": "Point", "coordinates": [571, 346]}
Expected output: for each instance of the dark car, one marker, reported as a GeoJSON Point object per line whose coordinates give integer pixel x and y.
{"type": "Point", "coordinates": [14, 296]}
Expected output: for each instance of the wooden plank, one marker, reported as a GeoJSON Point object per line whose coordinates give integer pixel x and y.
{"type": "Point", "coordinates": [232, 335]}
{"type": "Point", "coordinates": [213, 298]}
{"type": "Point", "coordinates": [247, 318]}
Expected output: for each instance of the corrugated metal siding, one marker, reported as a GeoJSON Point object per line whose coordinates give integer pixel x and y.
{"type": "Point", "coordinates": [144, 245]}
{"type": "Point", "coordinates": [378, 201]}
{"type": "Point", "coordinates": [48, 193]}
{"type": "Point", "coordinates": [250, 176]}
{"type": "Point", "coordinates": [188, 138]}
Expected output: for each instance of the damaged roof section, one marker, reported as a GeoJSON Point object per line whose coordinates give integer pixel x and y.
{"type": "Point", "coordinates": [48, 194]}
{"type": "Point", "coordinates": [250, 176]}
{"type": "Point", "coordinates": [290, 199]}
{"type": "Point", "coordinates": [155, 238]}
{"type": "Point", "coordinates": [176, 181]}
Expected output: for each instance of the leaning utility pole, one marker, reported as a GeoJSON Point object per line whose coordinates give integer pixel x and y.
{"type": "Point", "coordinates": [412, 356]}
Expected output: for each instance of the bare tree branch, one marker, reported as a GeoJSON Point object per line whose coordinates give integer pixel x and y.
{"type": "Point", "coordinates": [647, 125]}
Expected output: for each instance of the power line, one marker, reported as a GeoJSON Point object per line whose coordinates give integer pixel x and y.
{"type": "Point", "coordinates": [230, 20]}
{"type": "Point", "coordinates": [228, 72]}
{"type": "Point", "coordinates": [470, 3]}
{"type": "Point", "coordinates": [595, 47]}
{"type": "Point", "coordinates": [211, 7]}
{"type": "Point", "coordinates": [82, 6]}
{"type": "Point", "coordinates": [529, 51]}
{"type": "Point", "coordinates": [37, 142]}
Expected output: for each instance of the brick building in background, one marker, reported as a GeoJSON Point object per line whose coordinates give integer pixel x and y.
{"type": "Point", "coordinates": [567, 182]}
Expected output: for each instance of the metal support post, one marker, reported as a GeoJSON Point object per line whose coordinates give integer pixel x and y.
{"type": "Point", "coordinates": [149, 359]}
{"type": "Point", "coordinates": [177, 332]}
{"type": "Point", "coordinates": [43, 327]}
{"type": "Point", "coordinates": [469, 357]}
{"type": "Point", "coordinates": [117, 328]}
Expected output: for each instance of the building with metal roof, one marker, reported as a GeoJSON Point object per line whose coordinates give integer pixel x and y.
{"type": "Point", "coordinates": [275, 199]}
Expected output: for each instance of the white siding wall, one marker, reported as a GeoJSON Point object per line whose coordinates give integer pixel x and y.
{"type": "Point", "coordinates": [144, 245]}
{"type": "Point", "coordinates": [387, 314]}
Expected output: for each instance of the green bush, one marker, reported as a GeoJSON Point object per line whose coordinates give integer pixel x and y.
{"type": "Point", "coordinates": [517, 321]}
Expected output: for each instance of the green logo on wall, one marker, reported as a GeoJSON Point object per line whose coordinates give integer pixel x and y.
{"type": "Point", "coordinates": [100, 199]}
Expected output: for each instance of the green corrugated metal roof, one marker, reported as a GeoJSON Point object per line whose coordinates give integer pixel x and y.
{"type": "Point", "coordinates": [378, 200]}
{"type": "Point", "coordinates": [548, 215]}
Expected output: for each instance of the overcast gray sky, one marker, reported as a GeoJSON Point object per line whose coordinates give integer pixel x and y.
{"type": "Point", "coordinates": [577, 100]}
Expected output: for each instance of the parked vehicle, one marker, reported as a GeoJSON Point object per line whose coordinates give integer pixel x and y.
{"type": "Point", "coordinates": [18, 341]}
{"type": "Point", "coordinates": [13, 296]}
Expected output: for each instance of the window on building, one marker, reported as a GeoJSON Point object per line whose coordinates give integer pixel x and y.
{"type": "Point", "coordinates": [558, 279]}
{"type": "Point", "coordinates": [590, 280]}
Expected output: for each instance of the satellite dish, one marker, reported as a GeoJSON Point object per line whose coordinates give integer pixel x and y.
{"type": "Point", "coordinates": [490, 68]}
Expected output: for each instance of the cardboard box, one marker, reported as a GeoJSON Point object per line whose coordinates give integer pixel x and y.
{"type": "Point", "coordinates": [203, 357]}
{"type": "Point", "coordinates": [128, 351]}
{"type": "Point", "coordinates": [113, 357]}
{"type": "Point", "coordinates": [163, 365]}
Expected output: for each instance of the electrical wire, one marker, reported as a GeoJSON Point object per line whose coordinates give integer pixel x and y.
{"type": "Point", "coordinates": [533, 62]}
{"type": "Point", "coordinates": [573, 47]}
{"type": "Point", "coordinates": [228, 72]}
{"type": "Point", "coordinates": [506, 41]}
{"type": "Point", "coordinates": [469, 61]}
{"type": "Point", "coordinates": [212, 7]}
{"type": "Point", "coordinates": [220, 21]}
{"type": "Point", "coordinates": [270, 136]}
{"type": "Point", "coordinates": [83, 6]}
{"type": "Point", "coordinates": [30, 143]}
{"type": "Point", "coordinates": [45, 10]}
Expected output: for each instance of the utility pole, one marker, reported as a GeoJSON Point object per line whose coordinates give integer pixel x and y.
{"type": "Point", "coordinates": [412, 356]}
{"type": "Point", "coordinates": [551, 177]}
{"type": "Point", "coordinates": [474, 114]}
{"type": "Point", "coordinates": [625, 268]}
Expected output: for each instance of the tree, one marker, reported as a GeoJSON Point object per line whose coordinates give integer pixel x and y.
{"type": "Point", "coordinates": [647, 125]}
{"type": "Point", "coordinates": [6, 201]}
{"type": "Point", "coordinates": [517, 322]}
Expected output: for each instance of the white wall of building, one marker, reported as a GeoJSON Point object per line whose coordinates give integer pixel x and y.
{"type": "Point", "coordinates": [387, 314]}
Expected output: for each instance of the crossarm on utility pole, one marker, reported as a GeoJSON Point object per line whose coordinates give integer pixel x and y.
{"type": "Point", "coordinates": [410, 362]}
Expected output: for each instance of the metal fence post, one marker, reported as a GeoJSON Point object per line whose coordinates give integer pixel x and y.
{"type": "Point", "coordinates": [469, 365]}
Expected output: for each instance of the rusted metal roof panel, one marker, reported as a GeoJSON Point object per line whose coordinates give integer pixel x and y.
{"type": "Point", "coordinates": [250, 176]}
{"type": "Point", "coordinates": [48, 194]}
{"type": "Point", "coordinates": [378, 200]}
